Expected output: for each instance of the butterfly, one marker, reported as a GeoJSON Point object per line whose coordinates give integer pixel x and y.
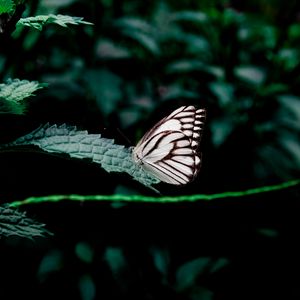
{"type": "Point", "coordinates": [169, 150]}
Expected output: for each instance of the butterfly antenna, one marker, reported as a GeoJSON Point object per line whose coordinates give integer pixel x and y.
{"type": "Point", "coordinates": [124, 136]}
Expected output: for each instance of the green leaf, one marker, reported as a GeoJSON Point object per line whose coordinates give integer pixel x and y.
{"type": "Point", "coordinates": [6, 6]}
{"type": "Point", "coordinates": [175, 92]}
{"type": "Point", "coordinates": [251, 74]}
{"type": "Point", "coordinates": [221, 129]}
{"type": "Point", "coordinates": [216, 71]}
{"type": "Point", "coordinates": [290, 103]}
{"type": "Point", "coordinates": [190, 16]}
{"type": "Point", "coordinates": [200, 293]}
{"type": "Point", "coordinates": [273, 89]}
{"type": "Point", "coordinates": [13, 93]}
{"type": "Point", "coordinates": [106, 86]}
{"type": "Point", "coordinates": [16, 223]}
{"type": "Point", "coordinates": [130, 116]}
{"type": "Point", "coordinates": [84, 251]}
{"type": "Point", "coordinates": [223, 91]}
{"type": "Point", "coordinates": [268, 232]}
{"type": "Point", "coordinates": [87, 287]}
{"type": "Point", "coordinates": [294, 31]}
{"type": "Point", "coordinates": [232, 16]}
{"type": "Point", "coordinates": [134, 24]}
{"type": "Point", "coordinates": [115, 259]}
{"type": "Point", "coordinates": [38, 22]}
{"type": "Point", "coordinates": [52, 262]}
{"type": "Point", "coordinates": [218, 264]}
{"type": "Point", "coordinates": [289, 58]}
{"type": "Point", "coordinates": [185, 66]}
{"type": "Point", "coordinates": [197, 45]}
{"type": "Point", "coordinates": [161, 260]}
{"type": "Point", "coordinates": [145, 40]}
{"type": "Point", "coordinates": [291, 146]}
{"type": "Point", "coordinates": [109, 50]}
{"type": "Point", "coordinates": [140, 31]}
{"type": "Point", "coordinates": [16, 89]}
{"type": "Point", "coordinates": [80, 144]}
{"type": "Point", "coordinates": [187, 274]}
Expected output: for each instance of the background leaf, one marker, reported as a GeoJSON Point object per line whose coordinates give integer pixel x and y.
{"type": "Point", "coordinates": [16, 223]}
{"type": "Point", "coordinates": [6, 6]}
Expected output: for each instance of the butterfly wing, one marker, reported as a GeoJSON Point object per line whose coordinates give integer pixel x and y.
{"type": "Point", "coordinates": [186, 119]}
{"type": "Point", "coordinates": [172, 160]}
{"type": "Point", "coordinates": [169, 149]}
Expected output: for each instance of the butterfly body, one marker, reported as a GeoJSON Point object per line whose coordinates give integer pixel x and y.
{"type": "Point", "coordinates": [169, 151]}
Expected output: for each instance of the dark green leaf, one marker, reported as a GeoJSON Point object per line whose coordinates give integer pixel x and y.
{"type": "Point", "coordinates": [16, 223]}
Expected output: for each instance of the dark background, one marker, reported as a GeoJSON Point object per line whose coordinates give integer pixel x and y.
{"type": "Point", "coordinates": [136, 64]}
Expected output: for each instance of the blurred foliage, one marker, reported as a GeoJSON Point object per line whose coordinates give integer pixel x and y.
{"type": "Point", "coordinates": [6, 6]}
{"type": "Point", "coordinates": [139, 61]}
{"type": "Point", "coordinates": [16, 223]}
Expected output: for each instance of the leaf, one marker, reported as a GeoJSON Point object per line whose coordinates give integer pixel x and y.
{"type": "Point", "coordinates": [87, 287]}
{"type": "Point", "coordinates": [291, 146]}
{"type": "Point", "coordinates": [134, 24]}
{"type": "Point", "coordinates": [38, 22]}
{"type": "Point", "coordinates": [130, 116]}
{"type": "Point", "coordinates": [221, 129]}
{"type": "Point", "coordinates": [109, 50]}
{"type": "Point", "coordinates": [232, 16]}
{"type": "Point", "coordinates": [294, 31]}
{"type": "Point", "coordinates": [185, 65]}
{"type": "Point", "coordinates": [219, 264]}
{"type": "Point", "coordinates": [175, 92]}
{"type": "Point", "coordinates": [201, 293]}
{"type": "Point", "coordinates": [224, 92]}
{"type": "Point", "coordinates": [268, 232]}
{"type": "Point", "coordinates": [161, 260]}
{"type": "Point", "coordinates": [52, 262]}
{"type": "Point", "coordinates": [140, 31]}
{"type": "Point", "coordinates": [291, 102]}
{"type": "Point", "coordinates": [146, 40]}
{"type": "Point", "coordinates": [289, 58]}
{"type": "Point", "coordinates": [84, 252]}
{"type": "Point", "coordinates": [190, 16]}
{"type": "Point", "coordinates": [216, 71]}
{"type": "Point", "coordinates": [187, 274]}
{"type": "Point", "coordinates": [13, 93]}
{"type": "Point", "coordinates": [290, 110]}
{"type": "Point", "coordinates": [251, 74]}
{"type": "Point", "coordinates": [197, 44]}
{"type": "Point", "coordinates": [106, 86]}
{"type": "Point", "coordinates": [6, 6]}
{"type": "Point", "coordinates": [273, 89]}
{"type": "Point", "coordinates": [10, 107]}
{"type": "Point", "coordinates": [115, 259]}
{"type": "Point", "coordinates": [80, 144]}
{"type": "Point", "coordinates": [258, 34]}
{"type": "Point", "coordinates": [16, 89]}
{"type": "Point", "coordinates": [16, 223]}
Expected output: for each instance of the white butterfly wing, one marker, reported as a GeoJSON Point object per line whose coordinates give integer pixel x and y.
{"type": "Point", "coordinates": [169, 149]}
